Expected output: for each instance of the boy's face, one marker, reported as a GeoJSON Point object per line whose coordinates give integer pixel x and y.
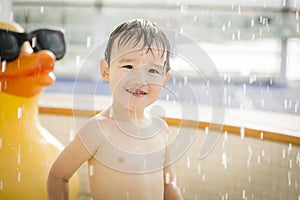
{"type": "Point", "coordinates": [137, 76]}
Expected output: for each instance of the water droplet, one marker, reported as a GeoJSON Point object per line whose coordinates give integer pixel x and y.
{"type": "Point", "coordinates": [283, 3]}
{"type": "Point", "coordinates": [252, 22]}
{"type": "Point", "coordinates": [42, 9]}
{"type": "Point", "coordinates": [249, 179]}
{"type": "Point", "coordinates": [225, 135]}
{"type": "Point", "coordinates": [91, 170]}
{"type": "Point", "coordinates": [262, 103]}
{"type": "Point", "coordinates": [11, 16]}
{"type": "Point", "coordinates": [258, 160]}
{"type": "Point", "coordinates": [20, 110]}
{"type": "Point", "coordinates": [206, 130]}
{"type": "Point", "coordinates": [167, 178]}
{"type": "Point", "coordinates": [199, 169]}
{"type": "Point", "coordinates": [185, 80]}
{"type": "Point", "coordinates": [244, 88]}
{"type": "Point", "coordinates": [77, 61]}
{"type": "Point", "coordinates": [223, 27]}
{"type": "Point", "coordinates": [238, 35]}
{"type": "Point", "coordinates": [229, 100]}
{"type": "Point", "coordinates": [244, 194]}
{"type": "Point", "coordinates": [3, 66]}
{"type": "Point", "coordinates": [19, 154]}
{"type": "Point", "coordinates": [290, 148]}
{"type": "Point", "coordinates": [233, 36]}
{"type": "Point", "coordinates": [291, 163]}
{"type": "Point", "coordinates": [224, 160]}
{"type": "Point", "coordinates": [195, 18]}
{"type": "Point", "coordinates": [1, 185]}
{"type": "Point", "coordinates": [181, 30]}
{"type": "Point", "coordinates": [285, 104]}
{"type": "Point", "coordinates": [88, 41]}
{"type": "Point", "coordinates": [188, 162]}
{"type": "Point", "coordinates": [248, 162]}
{"type": "Point", "coordinates": [33, 42]}
{"type": "Point", "coordinates": [289, 179]}
{"type": "Point", "coordinates": [19, 176]}
{"type": "Point", "coordinates": [226, 196]}
{"type": "Point", "coordinates": [283, 153]}
{"type": "Point", "coordinates": [232, 6]}
{"type": "Point", "coordinates": [0, 143]}
{"type": "Point", "coordinates": [242, 132]}
{"type": "Point", "coordinates": [71, 135]}
{"type": "Point", "coordinates": [229, 23]}
{"type": "Point", "coordinates": [203, 177]}
{"type": "Point", "coordinates": [298, 159]}
{"type": "Point", "coordinates": [261, 135]}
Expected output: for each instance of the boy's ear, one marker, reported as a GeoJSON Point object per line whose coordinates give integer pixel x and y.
{"type": "Point", "coordinates": [166, 79]}
{"type": "Point", "coordinates": [104, 69]}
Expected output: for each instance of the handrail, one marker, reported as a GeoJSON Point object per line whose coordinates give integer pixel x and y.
{"type": "Point", "coordinates": [253, 132]}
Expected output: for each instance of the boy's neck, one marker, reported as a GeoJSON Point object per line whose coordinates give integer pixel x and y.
{"type": "Point", "coordinates": [125, 114]}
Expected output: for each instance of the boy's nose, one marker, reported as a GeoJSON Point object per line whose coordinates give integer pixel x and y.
{"type": "Point", "coordinates": [138, 75]}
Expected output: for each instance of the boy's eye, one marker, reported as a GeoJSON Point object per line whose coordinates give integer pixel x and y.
{"type": "Point", "coordinates": [127, 66]}
{"type": "Point", "coordinates": [154, 71]}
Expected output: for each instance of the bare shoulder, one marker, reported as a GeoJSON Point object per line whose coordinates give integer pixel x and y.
{"type": "Point", "coordinates": [162, 125]}
{"type": "Point", "coordinates": [92, 132]}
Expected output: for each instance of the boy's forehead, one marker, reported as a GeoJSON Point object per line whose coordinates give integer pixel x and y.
{"type": "Point", "coordinates": [131, 49]}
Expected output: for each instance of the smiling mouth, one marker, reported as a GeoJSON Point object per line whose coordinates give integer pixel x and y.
{"type": "Point", "coordinates": [136, 92]}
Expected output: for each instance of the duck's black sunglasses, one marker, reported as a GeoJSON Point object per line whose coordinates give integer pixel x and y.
{"type": "Point", "coordinates": [42, 39]}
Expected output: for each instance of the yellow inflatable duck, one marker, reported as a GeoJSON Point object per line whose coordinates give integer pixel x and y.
{"type": "Point", "coordinates": [27, 150]}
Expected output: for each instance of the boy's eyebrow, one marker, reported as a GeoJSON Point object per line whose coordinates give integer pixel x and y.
{"type": "Point", "coordinates": [126, 60]}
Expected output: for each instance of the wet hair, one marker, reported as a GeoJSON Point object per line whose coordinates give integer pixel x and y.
{"type": "Point", "coordinates": [140, 30]}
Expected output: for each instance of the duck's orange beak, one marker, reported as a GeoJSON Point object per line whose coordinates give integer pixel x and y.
{"type": "Point", "coordinates": [29, 73]}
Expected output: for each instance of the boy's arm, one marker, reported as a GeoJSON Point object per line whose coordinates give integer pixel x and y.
{"type": "Point", "coordinates": [171, 190]}
{"type": "Point", "coordinates": [64, 167]}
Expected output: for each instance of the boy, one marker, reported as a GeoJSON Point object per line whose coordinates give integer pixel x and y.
{"type": "Point", "coordinates": [126, 149]}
